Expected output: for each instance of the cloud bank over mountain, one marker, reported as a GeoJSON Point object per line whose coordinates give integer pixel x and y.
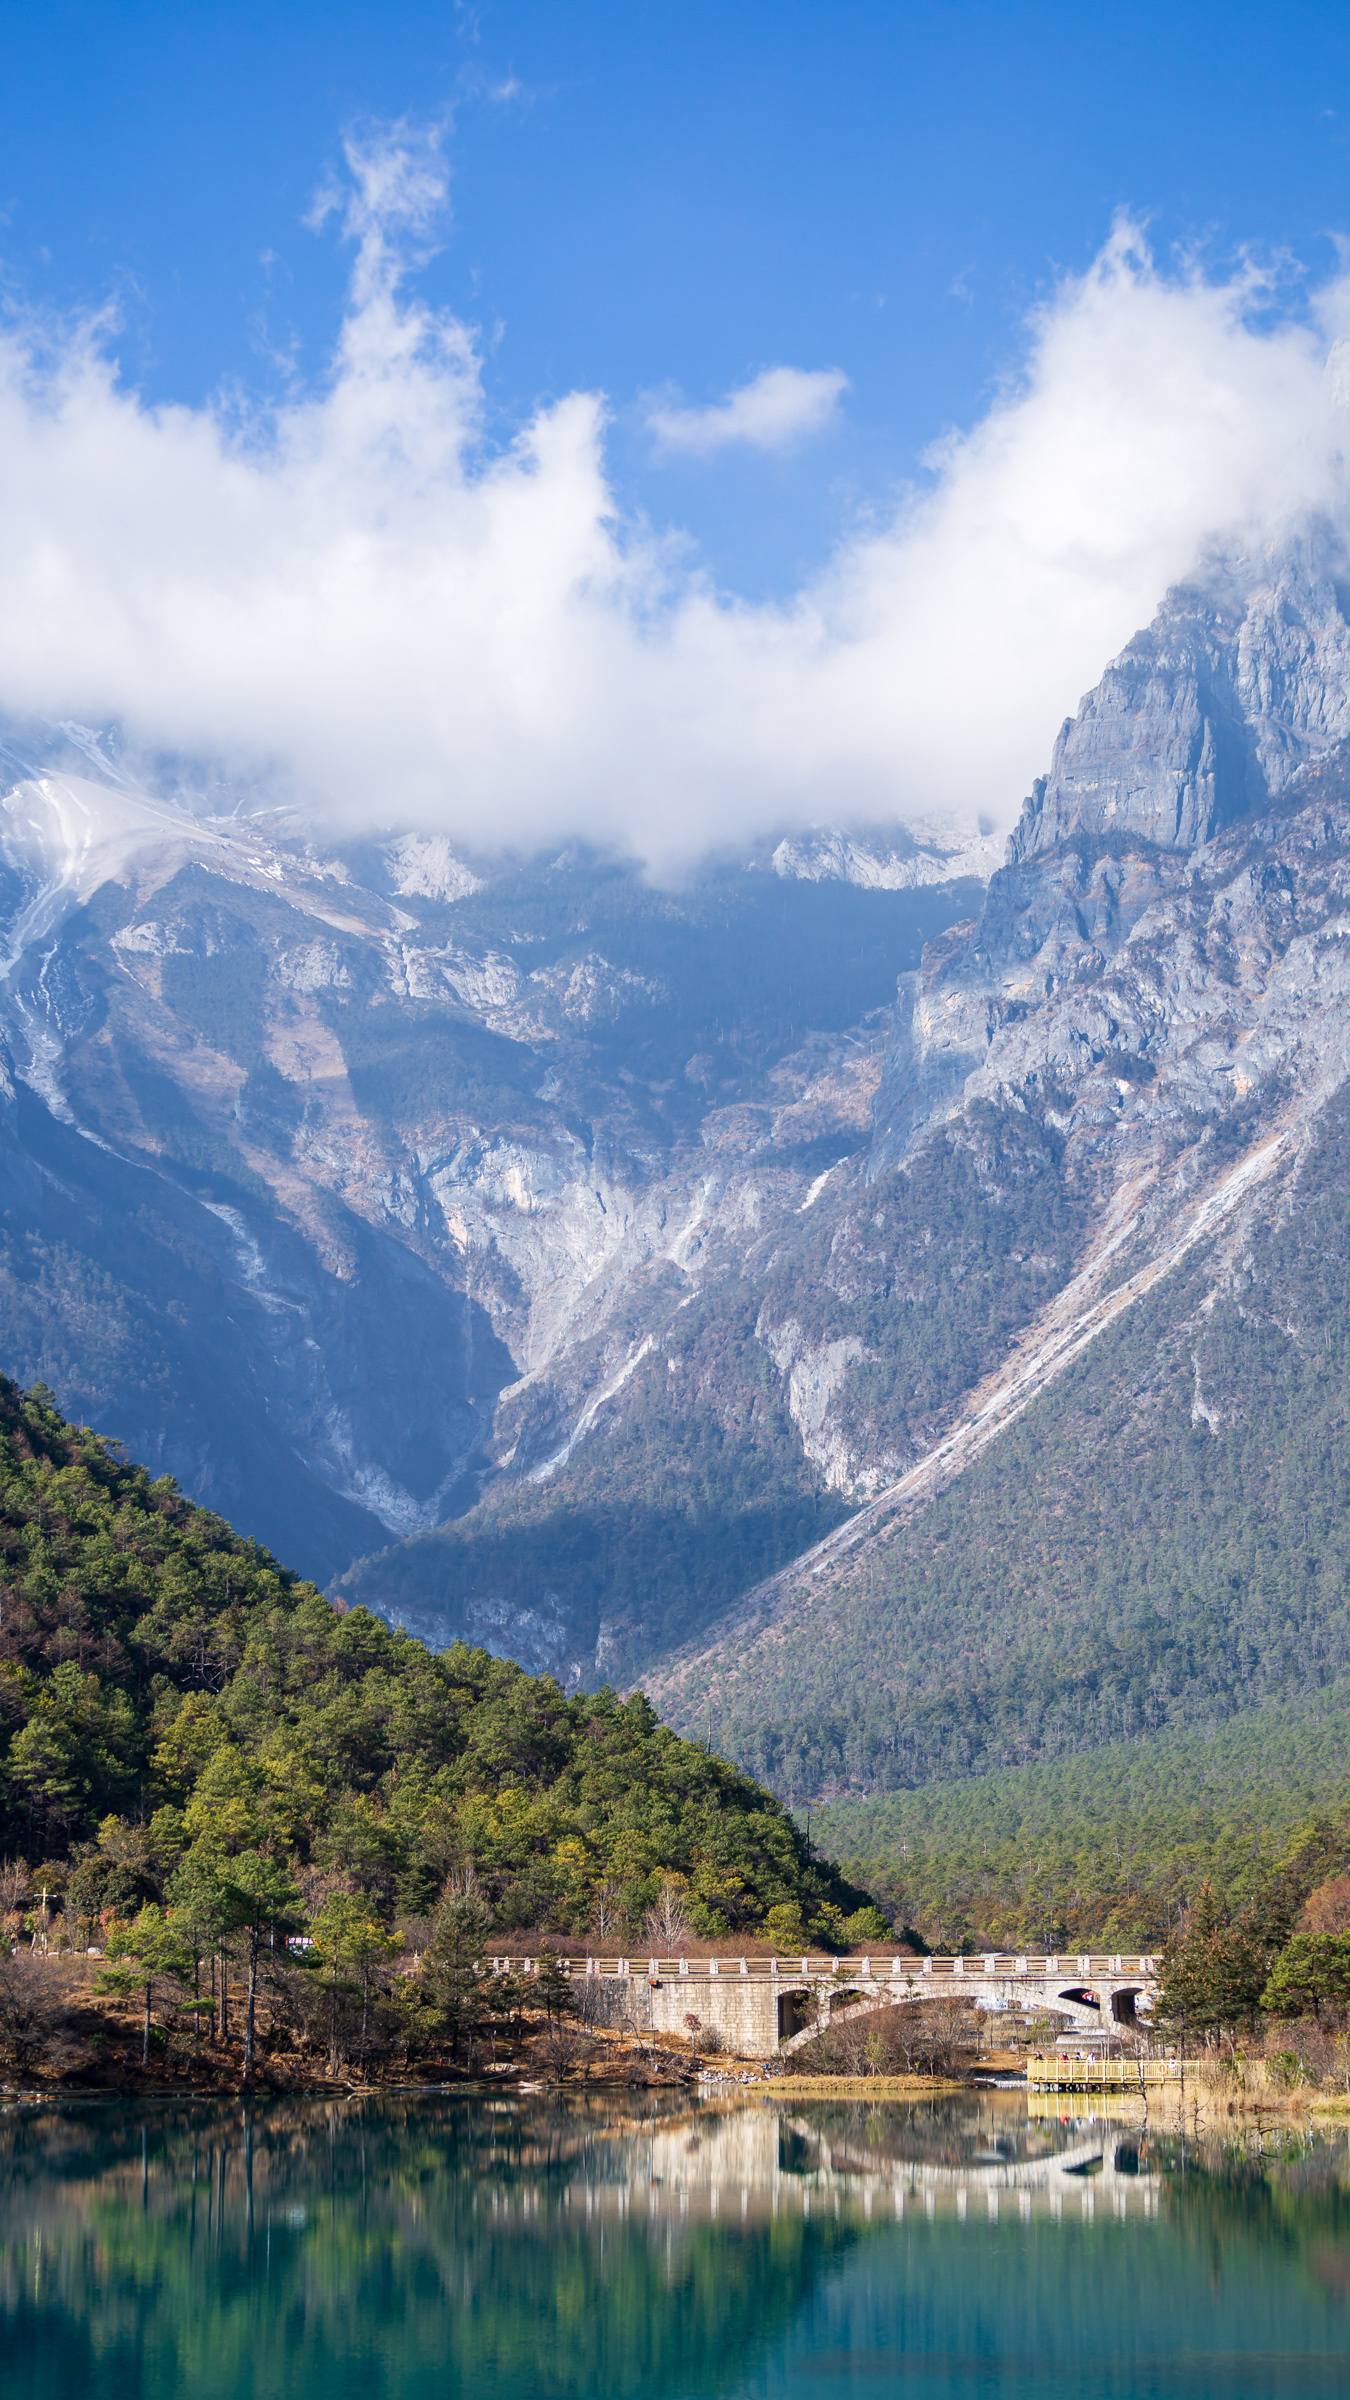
{"type": "Point", "coordinates": [362, 598]}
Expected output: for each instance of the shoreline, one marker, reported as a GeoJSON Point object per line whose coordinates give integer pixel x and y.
{"type": "Point", "coordinates": [1196, 2107]}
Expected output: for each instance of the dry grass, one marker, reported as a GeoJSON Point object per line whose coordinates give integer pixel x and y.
{"type": "Point", "coordinates": [860, 2087]}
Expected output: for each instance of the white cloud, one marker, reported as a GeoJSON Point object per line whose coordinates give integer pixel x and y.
{"type": "Point", "coordinates": [360, 597]}
{"type": "Point", "coordinates": [776, 410]}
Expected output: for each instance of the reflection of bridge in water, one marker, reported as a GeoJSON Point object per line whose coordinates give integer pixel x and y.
{"type": "Point", "coordinates": [761, 2159]}
{"type": "Point", "coordinates": [759, 2007]}
{"type": "Point", "coordinates": [1098, 2168]}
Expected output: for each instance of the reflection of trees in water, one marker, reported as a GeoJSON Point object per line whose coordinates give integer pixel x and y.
{"type": "Point", "coordinates": [266, 2250]}
{"type": "Point", "coordinates": [495, 2247]}
{"type": "Point", "coordinates": [1284, 2193]}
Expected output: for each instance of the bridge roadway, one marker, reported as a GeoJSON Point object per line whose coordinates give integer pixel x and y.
{"type": "Point", "coordinates": [763, 2007]}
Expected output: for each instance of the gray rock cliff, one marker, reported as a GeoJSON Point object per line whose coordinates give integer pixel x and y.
{"type": "Point", "coordinates": [1242, 678]}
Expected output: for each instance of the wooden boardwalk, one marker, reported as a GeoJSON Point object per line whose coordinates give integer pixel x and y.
{"type": "Point", "coordinates": [1079, 2071]}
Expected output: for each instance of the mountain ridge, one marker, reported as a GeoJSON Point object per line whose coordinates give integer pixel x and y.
{"type": "Point", "coordinates": [409, 1137]}
{"type": "Point", "coordinates": [1230, 1095]}
{"type": "Point", "coordinates": [1101, 1032]}
{"type": "Point", "coordinates": [609, 1250]}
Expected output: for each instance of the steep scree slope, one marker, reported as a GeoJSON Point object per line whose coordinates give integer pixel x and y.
{"type": "Point", "coordinates": [1133, 1512]}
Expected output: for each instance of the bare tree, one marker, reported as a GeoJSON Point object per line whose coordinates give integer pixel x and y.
{"type": "Point", "coordinates": [32, 2015]}
{"type": "Point", "coordinates": [1327, 1908]}
{"type": "Point", "coordinates": [588, 2001]}
{"type": "Point", "coordinates": [607, 1910]}
{"type": "Point", "coordinates": [15, 1889]}
{"type": "Point", "coordinates": [932, 2037]}
{"type": "Point", "coordinates": [666, 1925]}
{"type": "Point", "coordinates": [566, 2048]}
{"type": "Point", "coordinates": [911, 2038]}
{"type": "Point", "coordinates": [15, 1884]}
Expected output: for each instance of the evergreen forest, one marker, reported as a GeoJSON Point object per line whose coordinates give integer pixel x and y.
{"type": "Point", "coordinates": [183, 1722]}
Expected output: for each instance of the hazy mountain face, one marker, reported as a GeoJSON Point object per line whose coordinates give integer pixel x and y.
{"type": "Point", "coordinates": [1082, 1081]}
{"type": "Point", "coordinates": [584, 1253]}
{"type": "Point", "coordinates": [319, 1168]}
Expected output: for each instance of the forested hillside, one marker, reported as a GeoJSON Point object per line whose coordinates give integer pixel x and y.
{"type": "Point", "coordinates": [180, 1718]}
{"type": "Point", "coordinates": [1111, 1847]}
{"type": "Point", "coordinates": [1162, 1539]}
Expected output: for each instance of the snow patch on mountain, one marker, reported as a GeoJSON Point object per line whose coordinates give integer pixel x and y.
{"type": "Point", "coordinates": [914, 856]}
{"type": "Point", "coordinates": [423, 866]}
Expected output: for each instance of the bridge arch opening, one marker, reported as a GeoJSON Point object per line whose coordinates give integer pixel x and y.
{"type": "Point", "coordinates": [1079, 1996]}
{"type": "Point", "coordinates": [842, 2004]}
{"type": "Point", "coordinates": [795, 2013]}
{"type": "Point", "coordinates": [1125, 2008]}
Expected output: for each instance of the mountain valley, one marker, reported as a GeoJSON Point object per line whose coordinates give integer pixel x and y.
{"type": "Point", "coordinates": [897, 1317]}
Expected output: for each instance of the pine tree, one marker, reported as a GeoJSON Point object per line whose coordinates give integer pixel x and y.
{"type": "Point", "coordinates": [1213, 1973]}
{"type": "Point", "coordinates": [1311, 1972]}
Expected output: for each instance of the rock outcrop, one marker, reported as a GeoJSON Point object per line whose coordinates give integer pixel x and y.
{"type": "Point", "coordinates": [1243, 678]}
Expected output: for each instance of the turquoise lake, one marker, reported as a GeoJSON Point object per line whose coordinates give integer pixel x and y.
{"type": "Point", "coordinates": [585, 2246]}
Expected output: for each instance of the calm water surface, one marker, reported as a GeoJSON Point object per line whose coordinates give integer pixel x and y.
{"type": "Point", "coordinates": [568, 2248]}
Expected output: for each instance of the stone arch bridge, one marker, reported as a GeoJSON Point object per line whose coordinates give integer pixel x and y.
{"type": "Point", "coordinates": [764, 2007]}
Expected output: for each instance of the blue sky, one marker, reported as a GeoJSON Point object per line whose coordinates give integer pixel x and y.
{"type": "Point", "coordinates": [681, 423]}
{"type": "Point", "coordinates": [666, 194]}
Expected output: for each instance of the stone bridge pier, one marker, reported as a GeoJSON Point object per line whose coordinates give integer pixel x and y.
{"type": "Point", "coordinates": [761, 2007]}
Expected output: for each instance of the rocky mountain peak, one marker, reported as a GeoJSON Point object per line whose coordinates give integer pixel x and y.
{"type": "Point", "coordinates": [1241, 679]}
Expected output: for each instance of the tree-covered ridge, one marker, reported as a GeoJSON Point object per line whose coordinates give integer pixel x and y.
{"type": "Point", "coordinates": [1111, 1847]}
{"type": "Point", "coordinates": [170, 1695]}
